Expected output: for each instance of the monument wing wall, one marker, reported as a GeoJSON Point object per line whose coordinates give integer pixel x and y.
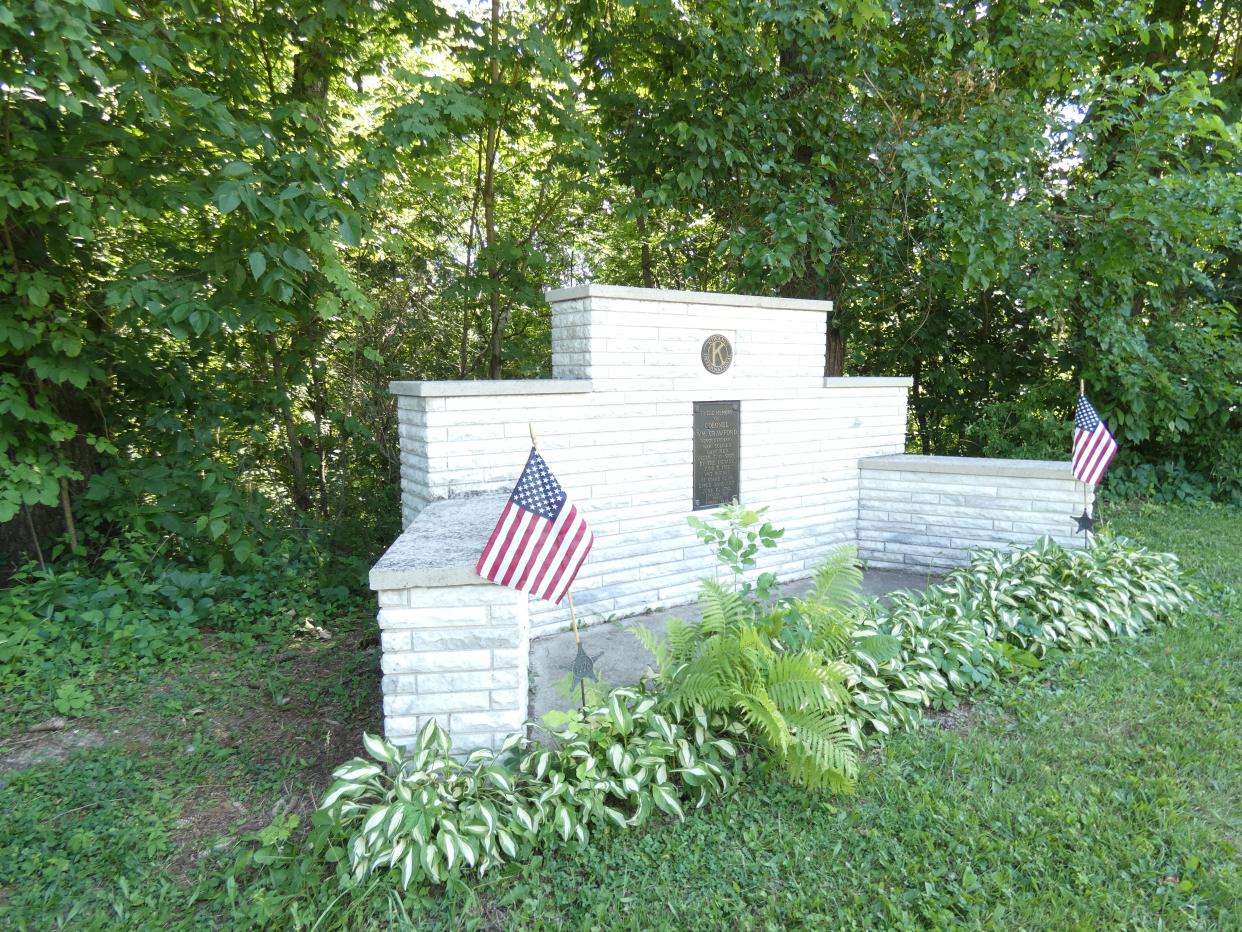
{"type": "Point", "coordinates": [925, 513]}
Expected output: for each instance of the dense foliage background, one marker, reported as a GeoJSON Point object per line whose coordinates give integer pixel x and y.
{"type": "Point", "coordinates": [224, 226]}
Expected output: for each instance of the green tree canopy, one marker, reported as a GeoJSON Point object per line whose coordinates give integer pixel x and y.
{"type": "Point", "coordinates": [226, 225]}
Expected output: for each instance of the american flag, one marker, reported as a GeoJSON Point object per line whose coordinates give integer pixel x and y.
{"type": "Point", "coordinates": [540, 541]}
{"type": "Point", "coordinates": [1094, 446]}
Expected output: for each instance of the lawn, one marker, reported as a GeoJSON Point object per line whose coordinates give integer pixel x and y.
{"type": "Point", "coordinates": [1107, 793]}
{"type": "Point", "coordinates": [1104, 793]}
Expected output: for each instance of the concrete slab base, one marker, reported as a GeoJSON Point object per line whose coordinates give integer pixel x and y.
{"type": "Point", "coordinates": [619, 657]}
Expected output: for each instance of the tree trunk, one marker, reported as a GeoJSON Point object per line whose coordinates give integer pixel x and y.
{"type": "Point", "coordinates": [297, 469]}
{"type": "Point", "coordinates": [648, 276]}
{"type": "Point", "coordinates": [916, 402]}
{"type": "Point", "coordinates": [834, 350]}
{"type": "Point", "coordinates": [319, 405]}
{"type": "Point", "coordinates": [495, 344]}
{"type": "Point", "coordinates": [71, 526]}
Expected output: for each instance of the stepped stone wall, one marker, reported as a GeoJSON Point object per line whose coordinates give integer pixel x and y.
{"type": "Point", "coordinates": [615, 425]}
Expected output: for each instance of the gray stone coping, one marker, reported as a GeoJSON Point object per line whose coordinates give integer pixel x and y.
{"type": "Point", "coordinates": [557, 295]}
{"type": "Point", "coordinates": [868, 381]}
{"type": "Point", "coordinates": [970, 466]}
{"type": "Point", "coordinates": [473, 387]}
{"type": "Point", "coordinates": [442, 545]}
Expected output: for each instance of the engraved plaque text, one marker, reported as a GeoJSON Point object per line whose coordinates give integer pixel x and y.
{"type": "Point", "coordinates": [717, 452]}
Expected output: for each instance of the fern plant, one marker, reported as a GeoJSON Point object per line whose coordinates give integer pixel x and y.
{"type": "Point", "coordinates": [792, 701]}
{"type": "Point", "coordinates": [831, 619]}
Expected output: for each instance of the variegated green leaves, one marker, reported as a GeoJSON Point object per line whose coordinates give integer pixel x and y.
{"type": "Point", "coordinates": [425, 813]}
{"type": "Point", "coordinates": [432, 817]}
{"type": "Point", "coordinates": [805, 683]}
{"type": "Point", "coordinates": [1004, 612]}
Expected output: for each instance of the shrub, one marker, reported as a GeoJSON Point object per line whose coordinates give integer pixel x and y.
{"type": "Point", "coordinates": [132, 605]}
{"type": "Point", "coordinates": [1168, 482]}
{"type": "Point", "coordinates": [434, 819]}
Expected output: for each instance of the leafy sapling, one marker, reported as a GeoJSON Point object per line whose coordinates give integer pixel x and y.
{"type": "Point", "coordinates": [736, 534]}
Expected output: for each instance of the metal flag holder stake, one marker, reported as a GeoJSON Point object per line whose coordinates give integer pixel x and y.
{"type": "Point", "coordinates": [584, 666]}
{"type": "Point", "coordinates": [1086, 521]}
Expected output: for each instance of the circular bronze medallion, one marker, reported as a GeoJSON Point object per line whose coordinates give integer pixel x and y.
{"type": "Point", "coordinates": [717, 354]}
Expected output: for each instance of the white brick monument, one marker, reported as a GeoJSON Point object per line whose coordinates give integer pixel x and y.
{"type": "Point", "coordinates": [661, 403]}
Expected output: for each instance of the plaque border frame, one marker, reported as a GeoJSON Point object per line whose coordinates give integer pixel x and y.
{"type": "Point", "coordinates": [695, 504]}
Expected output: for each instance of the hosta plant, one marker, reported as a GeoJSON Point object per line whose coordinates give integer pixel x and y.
{"type": "Point", "coordinates": [1047, 596]}
{"type": "Point", "coordinates": [432, 818]}
{"type": "Point", "coordinates": [627, 758]}
{"type": "Point", "coordinates": [944, 650]}
{"type": "Point", "coordinates": [803, 681]}
{"type": "Point", "coordinates": [423, 812]}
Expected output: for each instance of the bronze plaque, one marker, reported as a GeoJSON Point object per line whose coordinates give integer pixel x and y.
{"type": "Point", "coordinates": [717, 452]}
{"type": "Point", "coordinates": [717, 353]}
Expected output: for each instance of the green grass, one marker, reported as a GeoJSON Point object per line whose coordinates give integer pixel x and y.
{"type": "Point", "coordinates": [1105, 793]}
{"type": "Point", "coordinates": [190, 757]}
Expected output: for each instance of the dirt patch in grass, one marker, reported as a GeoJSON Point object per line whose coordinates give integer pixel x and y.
{"type": "Point", "coordinates": [961, 718]}
{"type": "Point", "coordinates": [234, 735]}
{"type": "Point", "coordinates": [300, 717]}
{"type": "Point", "coordinates": [32, 748]}
{"type": "Point", "coordinates": [211, 817]}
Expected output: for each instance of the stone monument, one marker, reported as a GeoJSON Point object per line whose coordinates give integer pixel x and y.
{"type": "Point", "coordinates": [661, 404]}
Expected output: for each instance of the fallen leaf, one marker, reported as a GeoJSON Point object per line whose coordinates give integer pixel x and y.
{"type": "Point", "coordinates": [55, 723]}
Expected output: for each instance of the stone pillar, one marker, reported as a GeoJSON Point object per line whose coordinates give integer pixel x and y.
{"type": "Point", "coordinates": [457, 654]}
{"type": "Point", "coordinates": [455, 647]}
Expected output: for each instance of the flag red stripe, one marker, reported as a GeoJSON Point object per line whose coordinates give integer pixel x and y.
{"type": "Point", "coordinates": [503, 552]}
{"type": "Point", "coordinates": [529, 556]}
{"type": "Point", "coordinates": [545, 549]}
{"type": "Point", "coordinates": [579, 557]}
{"type": "Point", "coordinates": [1097, 452]}
{"type": "Point", "coordinates": [555, 553]}
{"type": "Point", "coordinates": [1082, 446]}
{"type": "Point", "coordinates": [1102, 455]}
{"type": "Point", "coordinates": [1090, 449]}
{"type": "Point", "coordinates": [558, 573]}
{"type": "Point", "coordinates": [488, 551]}
{"type": "Point", "coordinates": [1093, 452]}
{"type": "Point", "coordinates": [1112, 451]}
{"type": "Point", "coordinates": [512, 550]}
{"type": "Point", "coordinates": [538, 529]}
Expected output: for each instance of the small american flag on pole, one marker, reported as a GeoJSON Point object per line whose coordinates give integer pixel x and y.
{"type": "Point", "coordinates": [1094, 446]}
{"type": "Point", "coordinates": [540, 541]}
